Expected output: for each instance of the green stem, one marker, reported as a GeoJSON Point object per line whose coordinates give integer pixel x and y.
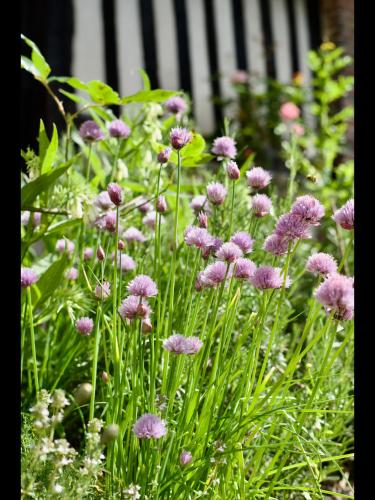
{"type": "Point", "coordinates": [347, 251]}
{"type": "Point", "coordinates": [88, 163]}
{"type": "Point", "coordinates": [31, 324]}
{"type": "Point", "coordinates": [231, 212]}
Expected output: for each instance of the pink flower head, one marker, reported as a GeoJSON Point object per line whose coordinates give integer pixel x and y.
{"type": "Point", "coordinates": [258, 178]}
{"type": "Point", "coordinates": [244, 269]}
{"type": "Point", "coordinates": [121, 245]}
{"type": "Point", "coordinates": [84, 326]}
{"type": "Point", "coordinates": [233, 171]}
{"type": "Point", "coordinates": [336, 293]}
{"type": "Point", "coordinates": [178, 344]}
{"type": "Point", "coordinates": [214, 274]}
{"type": "Point", "coordinates": [103, 201]}
{"type": "Point", "coordinates": [133, 234]}
{"type": "Point", "coordinates": [224, 147]}
{"type": "Point", "coordinates": [90, 131]}
{"type": "Point", "coordinates": [214, 247]}
{"type": "Point", "coordinates": [240, 77]}
{"type": "Point", "coordinates": [134, 307]}
{"type": "Point", "coordinates": [63, 245]}
{"type": "Point", "coordinates": [109, 221]}
{"type": "Point", "coordinates": [185, 458]}
{"type": "Point", "coordinates": [203, 220]}
{"type": "Point", "coordinates": [127, 262]}
{"type": "Point", "coordinates": [309, 209]}
{"type": "Point", "coordinates": [103, 291]}
{"type": "Point", "coordinates": [144, 206]}
{"type": "Point", "coordinates": [269, 277]}
{"type": "Point", "coordinates": [149, 426]}
{"type": "Point", "coordinates": [179, 137]}
{"type": "Point", "coordinates": [149, 220]}
{"type": "Point", "coordinates": [291, 226]}
{"type": "Point", "coordinates": [243, 240]}
{"type": "Point", "coordinates": [198, 237]}
{"type": "Point", "coordinates": [88, 253]}
{"type": "Point", "coordinates": [72, 274]}
{"type": "Point", "coordinates": [289, 111]}
{"type": "Point", "coordinates": [321, 263]}
{"type": "Point", "coordinates": [275, 244]}
{"type": "Point", "coordinates": [261, 205]}
{"type": "Point", "coordinates": [199, 203]}
{"type": "Point", "coordinates": [345, 215]}
{"type": "Point", "coordinates": [142, 286]}
{"type": "Point", "coordinates": [115, 193]}
{"type": "Point", "coordinates": [28, 277]}
{"type": "Point", "coordinates": [175, 105]}
{"type": "Point", "coordinates": [298, 129]}
{"type": "Point", "coordinates": [164, 155]}
{"type": "Point", "coordinates": [119, 129]}
{"type": "Point", "coordinates": [36, 219]}
{"type": "Point", "coordinates": [229, 252]}
{"type": "Point", "coordinates": [216, 193]}
{"type": "Point", "coordinates": [161, 204]}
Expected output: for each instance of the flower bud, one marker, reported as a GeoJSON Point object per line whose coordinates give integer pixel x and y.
{"type": "Point", "coordinates": [83, 393]}
{"type": "Point", "coordinates": [161, 204]}
{"type": "Point", "coordinates": [185, 458]}
{"type": "Point", "coordinates": [105, 377]}
{"type": "Point", "coordinates": [121, 245]}
{"type": "Point", "coordinates": [110, 434]}
{"type": "Point", "coordinates": [233, 171]}
{"type": "Point", "coordinates": [203, 220]}
{"type": "Point", "coordinates": [100, 254]}
{"type": "Point", "coordinates": [146, 325]}
{"type": "Point", "coordinates": [163, 156]}
{"type": "Point", "coordinates": [115, 193]}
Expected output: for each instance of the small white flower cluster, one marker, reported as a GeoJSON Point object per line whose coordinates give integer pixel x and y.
{"type": "Point", "coordinates": [132, 491]}
{"type": "Point", "coordinates": [43, 421]}
{"type": "Point", "coordinates": [92, 462]}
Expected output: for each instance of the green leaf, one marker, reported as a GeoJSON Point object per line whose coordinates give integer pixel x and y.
{"type": "Point", "coordinates": [37, 58]}
{"type": "Point", "coordinates": [157, 95]}
{"type": "Point", "coordinates": [195, 146]}
{"type": "Point", "coordinates": [136, 188]}
{"type": "Point", "coordinates": [70, 80]}
{"type": "Point", "coordinates": [51, 279]}
{"type": "Point", "coordinates": [102, 93]}
{"type": "Point", "coordinates": [29, 66]}
{"type": "Point", "coordinates": [51, 152]}
{"type": "Point", "coordinates": [146, 80]}
{"type": "Point", "coordinates": [73, 97]}
{"type": "Point", "coordinates": [61, 226]}
{"type": "Point", "coordinates": [43, 141]}
{"type": "Point", "coordinates": [196, 161]}
{"type": "Point", "coordinates": [43, 182]}
{"type": "Point", "coordinates": [247, 163]}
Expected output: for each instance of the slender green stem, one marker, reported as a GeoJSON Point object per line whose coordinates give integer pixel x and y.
{"type": "Point", "coordinates": [347, 251]}
{"type": "Point", "coordinates": [88, 163]}
{"type": "Point", "coordinates": [231, 212]}
{"type": "Point", "coordinates": [31, 324]}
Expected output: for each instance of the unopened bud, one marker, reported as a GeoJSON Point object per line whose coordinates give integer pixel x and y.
{"type": "Point", "coordinates": [146, 325]}
{"type": "Point", "coordinates": [121, 245]}
{"type": "Point", "coordinates": [163, 156]}
{"type": "Point", "coordinates": [110, 434]}
{"type": "Point", "coordinates": [100, 254]}
{"type": "Point", "coordinates": [185, 458]}
{"type": "Point", "coordinates": [115, 193]}
{"type": "Point", "coordinates": [203, 220]}
{"type": "Point", "coordinates": [105, 377]}
{"type": "Point", "coordinates": [83, 393]}
{"type": "Point", "coordinates": [233, 171]}
{"type": "Point", "coordinates": [161, 204]}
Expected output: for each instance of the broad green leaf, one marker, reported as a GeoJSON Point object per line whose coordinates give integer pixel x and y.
{"type": "Point", "coordinates": [195, 146]}
{"type": "Point", "coordinates": [29, 66]}
{"type": "Point", "coordinates": [74, 97]}
{"type": "Point", "coordinates": [51, 278]}
{"type": "Point", "coordinates": [37, 58]}
{"type": "Point", "coordinates": [157, 95]}
{"type": "Point", "coordinates": [146, 80]}
{"type": "Point", "coordinates": [70, 80]}
{"type": "Point", "coordinates": [102, 93]}
{"type": "Point", "coordinates": [196, 161]}
{"type": "Point", "coordinates": [43, 182]}
{"type": "Point", "coordinates": [247, 163]}
{"type": "Point", "coordinates": [136, 188]}
{"type": "Point", "coordinates": [51, 152]}
{"type": "Point", "coordinates": [61, 226]}
{"type": "Point", "coordinates": [43, 141]}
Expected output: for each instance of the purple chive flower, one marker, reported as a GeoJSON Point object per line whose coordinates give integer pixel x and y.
{"type": "Point", "coordinates": [84, 326]}
{"type": "Point", "coordinates": [36, 219]}
{"type": "Point", "coordinates": [142, 286]}
{"type": "Point", "coordinates": [62, 245]}
{"type": "Point", "coordinates": [90, 131]}
{"type": "Point", "coordinates": [198, 237]}
{"type": "Point", "coordinates": [161, 204]}
{"type": "Point", "coordinates": [133, 234]}
{"type": "Point", "coordinates": [179, 137]}
{"type": "Point", "coordinates": [214, 274]}
{"type": "Point", "coordinates": [178, 344]}
{"type": "Point", "coordinates": [149, 426]}
{"type": "Point", "coordinates": [269, 277]}
{"type": "Point", "coordinates": [321, 263]}
{"type": "Point", "coordinates": [149, 220]}
{"type": "Point", "coordinates": [132, 307]}
{"type": "Point", "coordinates": [261, 205]}
{"type": "Point", "coordinates": [164, 155]}
{"type": "Point", "coordinates": [244, 269]}
{"type": "Point", "coordinates": [203, 220]}
{"type": "Point", "coordinates": [175, 105]}
{"type": "Point", "coordinates": [229, 252]}
{"type": "Point", "coordinates": [336, 293]}
{"type": "Point", "coordinates": [109, 221]}
{"type": "Point", "coordinates": [119, 129]}
{"type": "Point", "coordinates": [233, 171]}
{"type": "Point", "coordinates": [185, 458]}
{"type": "Point", "coordinates": [103, 291]}
{"type": "Point", "coordinates": [127, 263]}
{"type": "Point", "coordinates": [115, 193]}
{"type": "Point", "coordinates": [88, 253]}
{"type": "Point", "coordinates": [28, 277]}
{"type": "Point", "coordinates": [72, 274]}
{"type": "Point", "coordinates": [258, 178]}
{"type": "Point", "coordinates": [144, 205]}
{"type": "Point", "coordinates": [224, 147]}
{"type": "Point", "coordinates": [216, 193]}
{"type": "Point", "coordinates": [100, 254]}
{"type": "Point", "coordinates": [275, 244]}
{"type": "Point", "coordinates": [103, 201]}
{"type": "Point", "coordinates": [200, 203]}
{"type": "Point", "coordinates": [214, 247]}
{"type": "Point", "coordinates": [292, 227]}
{"type": "Point", "coordinates": [345, 215]}
{"type": "Point", "coordinates": [309, 209]}
{"type": "Point", "coordinates": [243, 240]}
